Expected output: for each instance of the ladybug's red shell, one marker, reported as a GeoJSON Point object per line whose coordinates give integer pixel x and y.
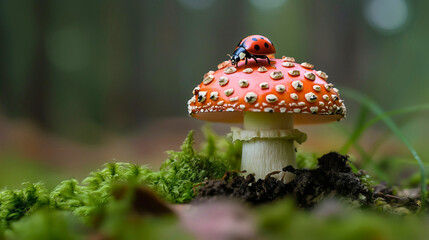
{"type": "Point", "coordinates": [257, 45]}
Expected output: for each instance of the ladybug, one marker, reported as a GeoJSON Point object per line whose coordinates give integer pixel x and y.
{"type": "Point", "coordinates": [253, 46]}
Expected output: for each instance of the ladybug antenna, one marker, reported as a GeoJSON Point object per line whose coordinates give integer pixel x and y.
{"type": "Point", "coordinates": [229, 55]}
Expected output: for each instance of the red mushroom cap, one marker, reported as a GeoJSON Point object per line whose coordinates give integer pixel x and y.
{"type": "Point", "coordinates": [283, 87]}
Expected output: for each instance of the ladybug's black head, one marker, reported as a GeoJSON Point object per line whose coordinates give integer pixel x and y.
{"type": "Point", "coordinates": [235, 59]}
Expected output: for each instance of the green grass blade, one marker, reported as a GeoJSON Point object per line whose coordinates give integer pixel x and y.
{"type": "Point", "coordinates": [362, 99]}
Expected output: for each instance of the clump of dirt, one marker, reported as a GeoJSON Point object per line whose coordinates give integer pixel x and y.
{"type": "Point", "coordinates": [333, 177]}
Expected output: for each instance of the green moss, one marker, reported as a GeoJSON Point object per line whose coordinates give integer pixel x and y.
{"type": "Point", "coordinates": [174, 182]}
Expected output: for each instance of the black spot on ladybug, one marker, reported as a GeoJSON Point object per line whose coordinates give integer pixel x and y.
{"type": "Point", "coordinates": [254, 39]}
{"type": "Point", "coordinates": [266, 45]}
{"type": "Point", "coordinates": [257, 47]}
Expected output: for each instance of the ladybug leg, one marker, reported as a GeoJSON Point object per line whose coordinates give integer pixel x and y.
{"type": "Point", "coordinates": [268, 59]}
{"type": "Point", "coordinates": [256, 60]}
{"type": "Point", "coordinates": [246, 61]}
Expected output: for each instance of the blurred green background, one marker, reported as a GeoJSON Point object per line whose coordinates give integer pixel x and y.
{"type": "Point", "coordinates": [86, 82]}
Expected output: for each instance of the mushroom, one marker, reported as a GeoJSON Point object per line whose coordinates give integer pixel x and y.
{"type": "Point", "coordinates": [269, 100]}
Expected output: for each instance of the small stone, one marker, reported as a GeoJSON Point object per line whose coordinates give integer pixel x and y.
{"type": "Point", "coordinates": [262, 69]}
{"type": "Point", "coordinates": [310, 76]}
{"type": "Point", "coordinates": [288, 64]}
{"type": "Point", "coordinates": [264, 85]}
{"type": "Point", "coordinates": [243, 83]}
{"type": "Point", "coordinates": [307, 65]}
{"type": "Point", "coordinates": [248, 70]}
{"type": "Point", "coordinates": [223, 81]}
{"type": "Point", "coordinates": [317, 88]}
{"type": "Point", "coordinates": [230, 69]}
{"type": "Point", "coordinates": [298, 85]}
{"type": "Point", "coordinates": [214, 96]}
{"type": "Point", "coordinates": [208, 79]}
{"type": "Point", "coordinates": [271, 98]}
{"type": "Point", "coordinates": [294, 73]}
{"type": "Point", "coordinates": [280, 88]}
{"type": "Point", "coordinates": [250, 97]}
{"type": "Point", "coordinates": [229, 91]}
{"type": "Point", "coordinates": [276, 75]}
{"type": "Point", "coordinates": [322, 75]}
{"type": "Point", "coordinates": [288, 59]}
{"type": "Point", "coordinates": [311, 97]}
{"type": "Point", "coordinates": [294, 96]}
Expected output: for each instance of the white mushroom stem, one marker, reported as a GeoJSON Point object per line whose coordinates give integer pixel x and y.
{"type": "Point", "coordinates": [265, 155]}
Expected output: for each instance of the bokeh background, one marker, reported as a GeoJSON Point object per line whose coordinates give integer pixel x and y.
{"type": "Point", "coordinates": [87, 82]}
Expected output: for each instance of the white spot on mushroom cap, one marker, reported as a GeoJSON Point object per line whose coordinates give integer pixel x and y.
{"type": "Point", "coordinates": [242, 106]}
{"type": "Point", "coordinates": [314, 109]}
{"type": "Point", "coordinates": [283, 109]}
{"type": "Point", "coordinates": [208, 79]}
{"type": "Point", "coordinates": [214, 96]}
{"type": "Point", "coordinates": [276, 75]}
{"type": "Point", "coordinates": [288, 64]}
{"type": "Point", "coordinates": [248, 70]}
{"type": "Point", "coordinates": [243, 83]}
{"type": "Point", "coordinates": [220, 103]}
{"type": "Point", "coordinates": [262, 69]}
{"type": "Point", "coordinates": [322, 75]}
{"type": "Point", "coordinates": [196, 90]}
{"type": "Point", "coordinates": [202, 96]}
{"type": "Point", "coordinates": [325, 97]}
{"type": "Point", "coordinates": [268, 109]}
{"type": "Point", "coordinates": [294, 73]}
{"type": "Point", "coordinates": [310, 97]}
{"type": "Point", "coordinates": [282, 102]}
{"type": "Point", "coordinates": [288, 59]}
{"type": "Point", "coordinates": [307, 65]}
{"type": "Point", "coordinates": [310, 76]}
{"type": "Point", "coordinates": [329, 86]}
{"type": "Point", "coordinates": [280, 88]}
{"type": "Point", "coordinates": [230, 109]}
{"type": "Point", "coordinates": [229, 91]}
{"type": "Point", "coordinates": [250, 97]}
{"type": "Point", "coordinates": [223, 81]}
{"type": "Point", "coordinates": [233, 99]}
{"type": "Point", "coordinates": [298, 85]}
{"type": "Point", "coordinates": [229, 70]}
{"type": "Point", "coordinates": [264, 85]}
{"type": "Point", "coordinates": [301, 104]}
{"type": "Point", "coordinates": [317, 88]}
{"type": "Point", "coordinates": [271, 98]}
{"type": "Point", "coordinates": [297, 110]}
{"type": "Point", "coordinates": [294, 96]}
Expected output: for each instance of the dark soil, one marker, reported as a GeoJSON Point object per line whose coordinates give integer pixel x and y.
{"type": "Point", "coordinates": [332, 178]}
